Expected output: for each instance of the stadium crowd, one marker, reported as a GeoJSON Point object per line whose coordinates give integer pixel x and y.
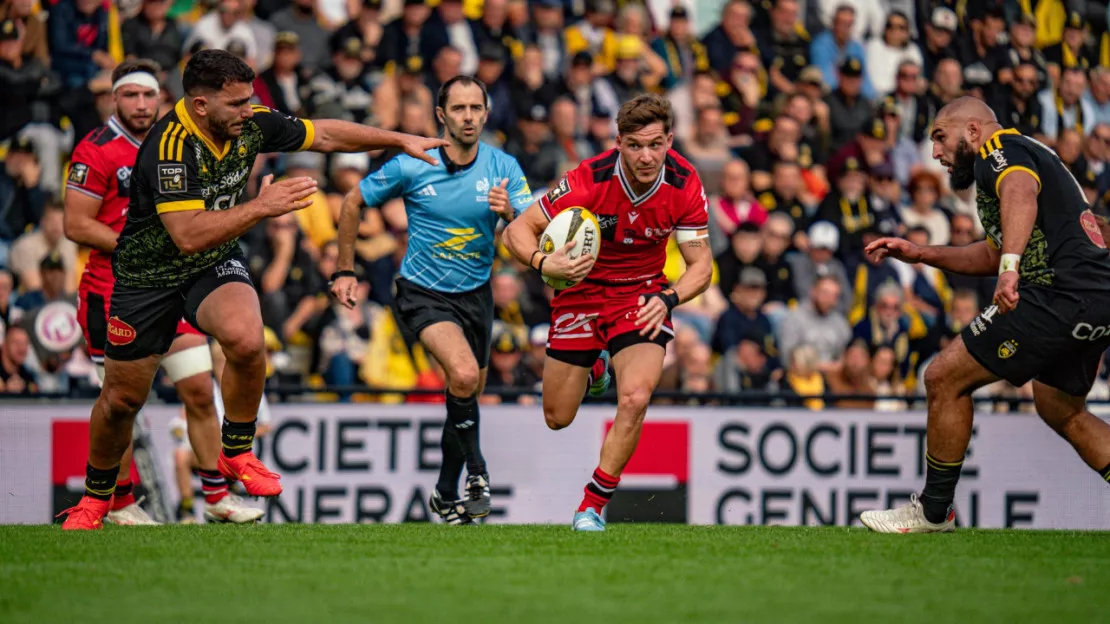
{"type": "Point", "coordinates": [807, 120]}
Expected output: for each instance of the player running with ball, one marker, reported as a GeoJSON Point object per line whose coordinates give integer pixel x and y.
{"type": "Point", "coordinates": [641, 191]}
{"type": "Point", "coordinates": [443, 294]}
{"type": "Point", "coordinates": [1051, 305]}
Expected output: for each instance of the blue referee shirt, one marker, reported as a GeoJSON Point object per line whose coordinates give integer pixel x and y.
{"type": "Point", "coordinates": [451, 227]}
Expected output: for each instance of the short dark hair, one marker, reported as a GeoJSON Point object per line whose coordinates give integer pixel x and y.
{"type": "Point", "coordinates": [134, 66]}
{"type": "Point", "coordinates": [644, 110]}
{"type": "Point", "coordinates": [445, 90]}
{"type": "Point", "coordinates": [212, 70]}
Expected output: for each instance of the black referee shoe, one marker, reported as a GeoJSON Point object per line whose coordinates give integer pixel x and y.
{"type": "Point", "coordinates": [477, 496]}
{"type": "Point", "coordinates": [451, 512]}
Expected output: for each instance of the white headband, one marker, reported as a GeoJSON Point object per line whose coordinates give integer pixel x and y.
{"type": "Point", "coordinates": [142, 79]}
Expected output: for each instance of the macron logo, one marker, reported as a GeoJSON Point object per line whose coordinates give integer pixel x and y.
{"type": "Point", "coordinates": [632, 216]}
{"type": "Point", "coordinates": [427, 191]}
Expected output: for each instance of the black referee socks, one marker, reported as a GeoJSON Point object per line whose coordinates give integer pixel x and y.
{"type": "Point", "coordinates": [462, 414]}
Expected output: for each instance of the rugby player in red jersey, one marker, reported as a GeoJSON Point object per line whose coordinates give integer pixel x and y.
{"type": "Point", "coordinates": [99, 190]}
{"type": "Point", "coordinates": [641, 191]}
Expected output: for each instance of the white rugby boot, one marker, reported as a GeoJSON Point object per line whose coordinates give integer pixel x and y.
{"type": "Point", "coordinates": [907, 519]}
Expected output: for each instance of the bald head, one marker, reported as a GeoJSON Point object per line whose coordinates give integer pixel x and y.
{"type": "Point", "coordinates": [960, 129]}
{"type": "Point", "coordinates": [966, 108]}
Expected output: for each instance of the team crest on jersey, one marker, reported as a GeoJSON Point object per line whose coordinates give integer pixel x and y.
{"type": "Point", "coordinates": [171, 178]}
{"type": "Point", "coordinates": [561, 189]}
{"type": "Point", "coordinates": [78, 172]}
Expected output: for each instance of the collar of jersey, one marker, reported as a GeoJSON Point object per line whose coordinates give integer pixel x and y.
{"type": "Point", "coordinates": [122, 131]}
{"type": "Point", "coordinates": [191, 128]}
{"type": "Point", "coordinates": [638, 199]}
{"type": "Point", "coordinates": [989, 147]}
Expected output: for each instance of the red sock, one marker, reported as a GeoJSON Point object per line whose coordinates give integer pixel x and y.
{"type": "Point", "coordinates": [599, 490]}
{"type": "Point", "coordinates": [123, 495]}
{"type": "Point", "coordinates": [213, 484]}
{"type": "Point", "coordinates": [597, 371]}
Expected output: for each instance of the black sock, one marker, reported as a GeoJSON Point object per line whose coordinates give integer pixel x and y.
{"type": "Point", "coordinates": [940, 487]}
{"type": "Point", "coordinates": [238, 438]}
{"type": "Point", "coordinates": [100, 484]}
{"type": "Point", "coordinates": [463, 415]}
{"type": "Point", "coordinates": [1105, 472]}
{"type": "Point", "coordinates": [453, 459]}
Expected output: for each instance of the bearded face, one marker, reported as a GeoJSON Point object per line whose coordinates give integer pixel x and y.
{"type": "Point", "coordinates": [963, 168]}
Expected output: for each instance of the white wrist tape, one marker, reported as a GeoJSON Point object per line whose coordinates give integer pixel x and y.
{"type": "Point", "coordinates": [1010, 262]}
{"type": "Point", "coordinates": [142, 79]}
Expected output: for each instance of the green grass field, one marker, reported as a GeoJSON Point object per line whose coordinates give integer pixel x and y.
{"type": "Point", "coordinates": [632, 573]}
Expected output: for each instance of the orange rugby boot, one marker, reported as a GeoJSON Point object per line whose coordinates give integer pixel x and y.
{"type": "Point", "coordinates": [247, 468]}
{"type": "Point", "coordinates": [87, 515]}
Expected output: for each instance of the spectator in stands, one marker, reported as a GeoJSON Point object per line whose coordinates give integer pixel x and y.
{"type": "Point", "coordinates": [812, 116]}
{"type": "Point", "coordinates": [79, 40]}
{"type": "Point", "coordinates": [284, 86]}
{"type": "Point", "coordinates": [14, 376]}
{"type": "Point", "coordinates": [152, 35]}
{"type": "Point", "coordinates": [746, 368]}
{"type": "Point", "coordinates": [636, 72]}
{"type": "Point", "coordinates": [226, 25]}
{"type": "Point", "coordinates": [7, 298]}
{"type": "Point", "coordinates": [600, 134]}
{"type": "Point", "coordinates": [1069, 147]}
{"type": "Point", "coordinates": [803, 376]}
{"type": "Point", "coordinates": [509, 306]}
{"type": "Point", "coordinates": [546, 31]}
{"type": "Point", "coordinates": [886, 199]}
{"type": "Point", "coordinates": [867, 275]}
{"type": "Point", "coordinates": [776, 234]}
{"type": "Point", "coordinates": [1017, 105]}
{"type": "Point", "coordinates": [732, 35]}
{"type": "Point", "coordinates": [1072, 51]}
{"type": "Point", "coordinates": [301, 17]}
{"type": "Point", "coordinates": [853, 377]}
{"type": "Point", "coordinates": [1020, 50]}
{"type": "Point", "coordinates": [887, 383]}
{"type": "Point", "coordinates": [831, 48]}
{"type": "Point", "coordinates": [680, 49]}
{"type": "Point", "coordinates": [785, 197]}
{"type": "Point", "coordinates": [493, 26]}
{"type": "Point", "coordinates": [937, 43]}
{"type": "Point", "coordinates": [707, 149]}
{"type": "Point", "coordinates": [564, 121]}
{"type": "Point", "coordinates": [1065, 108]}
{"type": "Point", "coordinates": [848, 206]}
{"type": "Point", "coordinates": [782, 143]}
{"type": "Point", "coordinates": [915, 115]}
{"type": "Point", "coordinates": [343, 91]}
{"type": "Point", "coordinates": [507, 369]}
{"type": "Point", "coordinates": [1096, 151]}
{"type": "Point", "coordinates": [21, 198]}
{"type": "Point", "coordinates": [744, 315]}
{"type": "Point", "coordinates": [926, 289]}
{"type": "Point", "coordinates": [734, 206]}
{"type": "Point", "coordinates": [447, 26]}
{"type": "Point", "coordinates": [741, 95]}
{"type": "Point", "coordinates": [532, 146]}
{"type": "Point", "coordinates": [849, 110]}
{"type": "Point", "coordinates": [537, 353]}
{"type": "Point", "coordinates": [447, 64]}
{"type": "Point", "coordinates": [743, 252]}
{"type": "Point", "coordinates": [819, 260]}
{"type": "Point", "coordinates": [52, 284]}
{"type": "Point", "coordinates": [25, 82]}
{"type": "Point", "coordinates": [947, 83]}
{"type": "Point", "coordinates": [891, 323]}
{"type": "Point", "coordinates": [491, 71]}
{"type": "Point", "coordinates": [528, 84]}
{"type": "Point", "coordinates": [785, 50]}
{"type": "Point", "coordinates": [365, 25]}
{"type": "Point", "coordinates": [1098, 96]}
{"type": "Point", "coordinates": [402, 38]}
{"type": "Point", "coordinates": [886, 54]}
{"type": "Point", "coordinates": [30, 249]}
{"type": "Point", "coordinates": [345, 336]}
{"type": "Point", "coordinates": [32, 24]}
{"type": "Point", "coordinates": [695, 376]}
{"type": "Point", "coordinates": [594, 34]}
{"type": "Point", "coordinates": [979, 54]}
{"type": "Point", "coordinates": [924, 211]}
{"type": "Point", "coordinates": [817, 323]}
{"type": "Point", "coordinates": [963, 232]}
{"type": "Point", "coordinates": [577, 84]}
{"type": "Point", "coordinates": [282, 268]}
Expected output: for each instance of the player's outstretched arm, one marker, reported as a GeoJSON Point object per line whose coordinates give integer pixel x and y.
{"type": "Point", "coordinates": [974, 259]}
{"type": "Point", "coordinates": [345, 286]}
{"type": "Point", "coordinates": [194, 231]}
{"type": "Point", "coordinates": [81, 225]}
{"type": "Point", "coordinates": [333, 135]}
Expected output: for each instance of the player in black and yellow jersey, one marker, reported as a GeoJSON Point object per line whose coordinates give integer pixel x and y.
{"type": "Point", "coordinates": [178, 256]}
{"type": "Point", "coordinates": [1050, 322]}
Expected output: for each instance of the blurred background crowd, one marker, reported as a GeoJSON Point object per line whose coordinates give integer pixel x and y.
{"type": "Point", "coordinates": [807, 120]}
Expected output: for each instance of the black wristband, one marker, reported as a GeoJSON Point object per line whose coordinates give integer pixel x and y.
{"type": "Point", "coordinates": [339, 274]}
{"type": "Point", "coordinates": [669, 298]}
{"type": "Point", "coordinates": [539, 267]}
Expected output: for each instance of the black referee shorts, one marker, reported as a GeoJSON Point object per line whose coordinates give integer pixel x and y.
{"type": "Point", "coordinates": [418, 308]}
{"type": "Point", "coordinates": [1056, 337]}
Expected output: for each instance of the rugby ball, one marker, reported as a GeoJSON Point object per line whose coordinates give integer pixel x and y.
{"type": "Point", "coordinates": [577, 224]}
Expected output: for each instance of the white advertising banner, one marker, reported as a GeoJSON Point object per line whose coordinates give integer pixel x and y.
{"type": "Point", "coordinates": [701, 465]}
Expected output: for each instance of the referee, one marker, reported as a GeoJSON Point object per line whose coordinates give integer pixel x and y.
{"type": "Point", "coordinates": [443, 293]}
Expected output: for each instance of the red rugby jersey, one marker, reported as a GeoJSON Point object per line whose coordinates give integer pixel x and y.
{"type": "Point", "coordinates": [634, 229]}
{"type": "Point", "coordinates": [101, 168]}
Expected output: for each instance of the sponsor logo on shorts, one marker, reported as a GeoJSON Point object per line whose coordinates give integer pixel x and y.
{"type": "Point", "coordinates": [978, 325]}
{"type": "Point", "coordinates": [1007, 349]}
{"type": "Point", "coordinates": [78, 172]}
{"type": "Point", "coordinates": [171, 178]}
{"type": "Point", "coordinates": [571, 325]}
{"type": "Point", "coordinates": [119, 332]}
{"type": "Point", "coordinates": [1090, 226]}
{"type": "Point", "coordinates": [232, 267]}
{"type": "Point", "coordinates": [1089, 333]}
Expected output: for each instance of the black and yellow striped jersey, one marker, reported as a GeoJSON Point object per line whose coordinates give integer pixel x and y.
{"type": "Point", "coordinates": [1066, 249]}
{"type": "Point", "coordinates": [178, 168]}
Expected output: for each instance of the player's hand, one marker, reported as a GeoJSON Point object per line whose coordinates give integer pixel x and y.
{"type": "Point", "coordinates": [897, 248]}
{"type": "Point", "coordinates": [1006, 292]}
{"type": "Point", "coordinates": [291, 194]}
{"type": "Point", "coordinates": [652, 314]}
{"type": "Point", "coordinates": [499, 201]}
{"type": "Point", "coordinates": [416, 146]}
{"type": "Point", "coordinates": [345, 290]}
{"type": "Point", "coordinates": [560, 265]}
